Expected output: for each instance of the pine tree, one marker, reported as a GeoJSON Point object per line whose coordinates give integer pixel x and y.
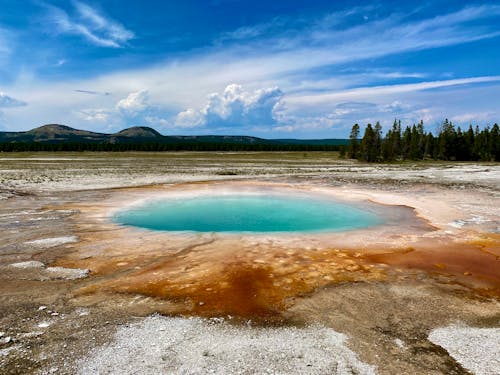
{"type": "Point", "coordinates": [368, 152]}
{"type": "Point", "coordinates": [495, 142]}
{"type": "Point", "coordinates": [377, 147]}
{"type": "Point", "coordinates": [353, 142]}
{"type": "Point", "coordinates": [405, 143]}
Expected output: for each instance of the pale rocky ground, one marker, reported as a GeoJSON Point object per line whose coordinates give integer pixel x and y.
{"type": "Point", "coordinates": [360, 327]}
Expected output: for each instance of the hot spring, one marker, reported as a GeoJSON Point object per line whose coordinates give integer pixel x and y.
{"type": "Point", "coordinates": [256, 213]}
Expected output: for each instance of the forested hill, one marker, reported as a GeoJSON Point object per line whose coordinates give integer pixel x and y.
{"type": "Point", "coordinates": [54, 137]}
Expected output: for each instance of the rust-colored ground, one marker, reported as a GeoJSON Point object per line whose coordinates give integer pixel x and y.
{"type": "Point", "coordinates": [474, 264]}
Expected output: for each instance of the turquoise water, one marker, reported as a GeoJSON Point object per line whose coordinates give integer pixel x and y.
{"type": "Point", "coordinates": [248, 213]}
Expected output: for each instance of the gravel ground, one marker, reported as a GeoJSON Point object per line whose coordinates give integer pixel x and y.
{"type": "Point", "coordinates": [49, 171]}
{"type": "Point", "coordinates": [476, 349]}
{"type": "Point", "coordinates": [198, 346]}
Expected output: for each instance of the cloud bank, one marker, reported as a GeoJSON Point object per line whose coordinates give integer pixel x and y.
{"type": "Point", "coordinates": [234, 107]}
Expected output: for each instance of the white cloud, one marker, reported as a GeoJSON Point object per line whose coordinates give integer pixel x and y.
{"type": "Point", "coordinates": [9, 102]}
{"type": "Point", "coordinates": [474, 117]}
{"type": "Point", "coordinates": [134, 103]}
{"type": "Point", "coordinates": [190, 118]}
{"type": "Point", "coordinates": [395, 107]}
{"type": "Point", "coordinates": [99, 115]}
{"type": "Point", "coordinates": [371, 92]}
{"type": "Point", "coordinates": [158, 121]}
{"type": "Point", "coordinates": [235, 107]}
{"type": "Point", "coordinates": [90, 24]}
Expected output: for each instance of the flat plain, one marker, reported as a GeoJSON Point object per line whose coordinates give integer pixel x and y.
{"type": "Point", "coordinates": [77, 289]}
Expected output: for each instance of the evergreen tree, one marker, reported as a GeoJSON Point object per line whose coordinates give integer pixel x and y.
{"type": "Point", "coordinates": [377, 152]}
{"type": "Point", "coordinates": [495, 142]}
{"type": "Point", "coordinates": [429, 146]}
{"type": "Point", "coordinates": [396, 140]}
{"type": "Point", "coordinates": [368, 145]}
{"type": "Point", "coordinates": [414, 152]}
{"type": "Point", "coordinates": [353, 142]}
{"type": "Point", "coordinates": [405, 143]}
{"type": "Point", "coordinates": [446, 141]}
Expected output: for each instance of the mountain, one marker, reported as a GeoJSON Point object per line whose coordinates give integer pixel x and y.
{"type": "Point", "coordinates": [64, 137]}
{"type": "Point", "coordinates": [138, 132]}
{"type": "Point", "coordinates": [53, 133]}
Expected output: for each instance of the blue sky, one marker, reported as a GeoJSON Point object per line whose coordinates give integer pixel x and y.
{"type": "Point", "coordinates": [305, 69]}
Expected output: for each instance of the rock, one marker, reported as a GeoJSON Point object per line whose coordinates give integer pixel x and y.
{"type": "Point", "coordinates": [5, 340]}
{"type": "Point", "coordinates": [27, 265]}
{"type": "Point", "coordinates": [41, 308]}
{"type": "Point", "coordinates": [29, 335]}
{"type": "Point", "coordinates": [6, 351]}
{"type": "Point", "coordinates": [399, 343]}
{"type": "Point", "coordinates": [52, 242]}
{"type": "Point", "coordinates": [67, 273]}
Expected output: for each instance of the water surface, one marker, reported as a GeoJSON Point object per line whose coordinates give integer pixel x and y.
{"type": "Point", "coordinates": [248, 213]}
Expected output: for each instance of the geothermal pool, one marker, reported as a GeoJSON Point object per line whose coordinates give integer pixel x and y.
{"type": "Point", "coordinates": [261, 213]}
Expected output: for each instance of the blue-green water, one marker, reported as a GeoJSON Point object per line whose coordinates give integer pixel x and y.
{"type": "Point", "coordinates": [248, 213]}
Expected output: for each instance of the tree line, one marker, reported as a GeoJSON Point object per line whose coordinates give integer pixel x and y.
{"type": "Point", "coordinates": [159, 146]}
{"type": "Point", "coordinates": [414, 143]}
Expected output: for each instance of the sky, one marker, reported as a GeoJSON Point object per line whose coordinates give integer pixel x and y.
{"type": "Point", "coordinates": [273, 69]}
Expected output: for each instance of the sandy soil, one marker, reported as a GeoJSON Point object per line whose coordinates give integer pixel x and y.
{"type": "Point", "coordinates": [378, 292]}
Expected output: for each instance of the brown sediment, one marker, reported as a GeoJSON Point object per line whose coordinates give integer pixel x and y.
{"type": "Point", "coordinates": [475, 264]}
{"type": "Point", "coordinates": [256, 285]}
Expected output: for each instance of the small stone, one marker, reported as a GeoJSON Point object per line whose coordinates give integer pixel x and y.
{"type": "Point", "coordinates": [27, 265]}
{"type": "Point", "coordinates": [67, 273]}
{"type": "Point", "coordinates": [399, 343]}
{"type": "Point", "coordinates": [41, 308]}
{"type": "Point", "coordinates": [6, 340]}
{"type": "Point", "coordinates": [467, 273]}
{"type": "Point", "coordinates": [83, 312]}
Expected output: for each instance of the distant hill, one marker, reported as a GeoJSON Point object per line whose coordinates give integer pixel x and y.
{"type": "Point", "coordinates": [138, 132]}
{"type": "Point", "coordinates": [62, 137]}
{"type": "Point", "coordinates": [53, 133]}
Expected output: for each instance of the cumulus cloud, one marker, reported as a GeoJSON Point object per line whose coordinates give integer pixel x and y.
{"type": "Point", "coordinates": [96, 115]}
{"type": "Point", "coordinates": [90, 24]}
{"type": "Point", "coordinates": [9, 102]}
{"type": "Point", "coordinates": [190, 118]}
{"type": "Point", "coordinates": [134, 103]}
{"type": "Point", "coordinates": [133, 109]}
{"type": "Point", "coordinates": [235, 107]}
